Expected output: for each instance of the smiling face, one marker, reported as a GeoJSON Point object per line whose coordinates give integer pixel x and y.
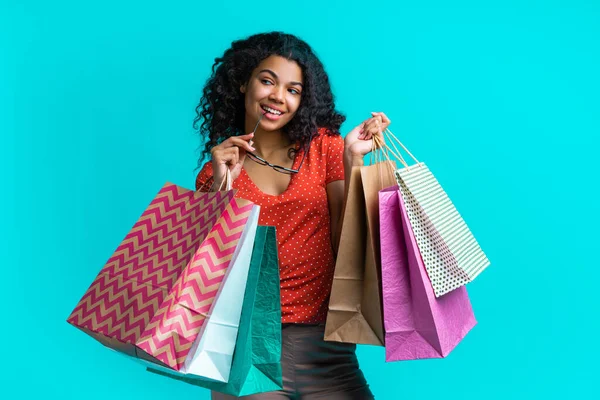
{"type": "Point", "coordinates": [274, 89]}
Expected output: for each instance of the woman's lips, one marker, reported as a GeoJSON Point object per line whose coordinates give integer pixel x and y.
{"type": "Point", "coordinates": [270, 116]}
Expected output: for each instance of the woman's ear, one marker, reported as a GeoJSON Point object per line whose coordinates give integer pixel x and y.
{"type": "Point", "coordinates": [243, 88]}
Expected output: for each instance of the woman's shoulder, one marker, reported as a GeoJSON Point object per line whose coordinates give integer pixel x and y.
{"type": "Point", "coordinates": [204, 177]}
{"type": "Point", "coordinates": [207, 166]}
{"type": "Point", "coordinates": [326, 137]}
{"type": "Point", "coordinates": [328, 133]}
{"type": "Point", "coordinates": [328, 147]}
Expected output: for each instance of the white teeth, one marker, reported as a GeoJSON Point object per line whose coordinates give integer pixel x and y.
{"type": "Point", "coordinates": [272, 111]}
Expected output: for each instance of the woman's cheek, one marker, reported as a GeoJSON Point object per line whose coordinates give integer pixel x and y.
{"type": "Point", "coordinates": [296, 103]}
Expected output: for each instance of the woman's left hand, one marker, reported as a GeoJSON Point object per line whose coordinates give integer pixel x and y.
{"type": "Point", "coordinates": [359, 141]}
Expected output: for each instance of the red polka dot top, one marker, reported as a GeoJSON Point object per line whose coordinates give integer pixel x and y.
{"type": "Point", "coordinates": [301, 216]}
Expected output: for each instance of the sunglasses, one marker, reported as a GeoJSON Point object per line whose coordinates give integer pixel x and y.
{"type": "Point", "coordinates": [278, 168]}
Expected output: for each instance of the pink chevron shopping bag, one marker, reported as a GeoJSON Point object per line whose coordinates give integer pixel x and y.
{"type": "Point", "coordinates": [153, 297]}
{"type": "Point", "coordinates": [417, 324]}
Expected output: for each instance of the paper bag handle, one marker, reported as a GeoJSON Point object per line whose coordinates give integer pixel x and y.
{"type": "Point", "coordinates": [397, 152]}
{"type": "Point", "coordinates": [227, 181]}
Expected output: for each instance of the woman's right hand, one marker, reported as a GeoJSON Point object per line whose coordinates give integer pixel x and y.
{"type": "Point", "coordinates": [230, 154]}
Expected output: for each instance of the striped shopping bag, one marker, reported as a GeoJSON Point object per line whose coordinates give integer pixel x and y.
{"type": "Point", "coordinates": [450, 252]}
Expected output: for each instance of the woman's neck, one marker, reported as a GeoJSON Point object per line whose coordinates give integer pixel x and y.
{"type": "Point", "coordinates": [267, 142]}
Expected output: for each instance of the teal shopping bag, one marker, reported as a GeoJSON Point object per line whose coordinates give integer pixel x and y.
{"type": "Point", "coordinates": [256, 366]}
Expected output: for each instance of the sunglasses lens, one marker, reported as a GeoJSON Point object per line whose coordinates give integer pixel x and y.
{"type": "Point", "coordinates": [277, 168]}
{"type": "Point", "coordinates": [257, 159]}
{"type": "Point", "coordinates": [284, 170]}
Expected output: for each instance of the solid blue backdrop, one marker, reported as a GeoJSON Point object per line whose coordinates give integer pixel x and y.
{"type": "Point", "coordinates": [500, 98]}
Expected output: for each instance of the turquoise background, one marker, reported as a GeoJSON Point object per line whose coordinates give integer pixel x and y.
{"type": "Point", "coordinates": [500, 98]}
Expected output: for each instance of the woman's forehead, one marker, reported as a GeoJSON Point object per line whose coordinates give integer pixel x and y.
{"type": "Point", "coordinates": [285, 70]}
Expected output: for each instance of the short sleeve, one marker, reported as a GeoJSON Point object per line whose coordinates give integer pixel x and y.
{"type": "Point", "coordinates": [335, 159]}
{"type": "Point", "coordinates": [204, 180]}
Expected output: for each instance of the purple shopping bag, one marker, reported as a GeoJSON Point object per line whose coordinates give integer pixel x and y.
{"type": "Point", "coordinates": [417, 324]}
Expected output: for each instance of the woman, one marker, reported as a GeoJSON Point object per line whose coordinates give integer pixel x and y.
{"type": "Point", "coordinates": [269, 117]}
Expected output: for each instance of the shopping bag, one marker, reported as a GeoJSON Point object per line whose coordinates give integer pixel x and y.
{"type": "Point", "coordinates": [212, 352]}
{"type": "Point", "coordinates": [417, 324]}
{"type": "Point", "coordinates": [450, 252]}
{"type": "Point", "coordinates": [153, 296]}
{"type": "Point", "coordinates": [355, 314]}
{"type": "Point", "coordinates": [257, 358]}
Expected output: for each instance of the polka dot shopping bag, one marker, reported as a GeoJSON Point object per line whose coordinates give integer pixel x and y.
{"type": "Point", "coordinates": [450, 252]}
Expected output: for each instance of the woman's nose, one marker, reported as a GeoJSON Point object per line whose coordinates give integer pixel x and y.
{"type": "Point", "coordinates": [277, 94]}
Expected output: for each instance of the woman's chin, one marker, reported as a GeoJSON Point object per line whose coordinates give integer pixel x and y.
{"type": "Point", "coordinates": [269, 125]}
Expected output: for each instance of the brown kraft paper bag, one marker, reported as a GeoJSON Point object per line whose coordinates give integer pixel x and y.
{"type": "Point", "coordinates": [355, 307]}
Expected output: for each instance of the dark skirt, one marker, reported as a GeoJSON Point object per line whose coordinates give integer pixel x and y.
{"type": "Point", "coordinates": [315, 369]}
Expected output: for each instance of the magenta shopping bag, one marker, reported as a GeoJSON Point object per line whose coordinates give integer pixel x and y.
{"type": "Point", "coordinates": [417, 324]}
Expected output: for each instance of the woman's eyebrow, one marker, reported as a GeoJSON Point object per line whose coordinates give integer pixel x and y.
{"type": "Point", "coordinates": [268, 71]}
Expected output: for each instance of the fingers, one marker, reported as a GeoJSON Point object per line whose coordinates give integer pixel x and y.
{"type": "Point", "coordinates": [235, 157]}
{"type": "Point", "coordinates": [247, 137]}
{"type": "Point", "coordinates": [226, 156]}
{"type": "Point", "coordinates": [385, 121]}
{"type": "Point", "coordinates": [229, 150]}
{"type": "Point", "coordinates": [240, 141]}
{"type": "Point", "coordinates": [241, 158]}
{"type": "Point", "coordinates": [384, 117]}
{"type": "Point", "coordinates": [230, 156]}
{"type": "Point", "coordinates": [373, 126]}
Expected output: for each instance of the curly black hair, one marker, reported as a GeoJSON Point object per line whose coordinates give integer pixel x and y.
{"type": "Point", "coordinates": [221, 108]}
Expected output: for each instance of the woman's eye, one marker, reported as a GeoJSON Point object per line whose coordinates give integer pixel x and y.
{"type": "Point", "coordinates": [265, 81]}
{"type": "Point", "coordinates": [294, 91]}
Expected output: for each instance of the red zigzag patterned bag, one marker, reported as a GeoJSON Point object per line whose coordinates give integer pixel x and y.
{"type": "Point", "coordinates": [154, 294]}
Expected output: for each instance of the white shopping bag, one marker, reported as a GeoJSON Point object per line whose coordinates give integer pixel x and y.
{"type": "Point", "coordinates": [211, 355]}
{"type": "Point", "coordinates": [212, 352]}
